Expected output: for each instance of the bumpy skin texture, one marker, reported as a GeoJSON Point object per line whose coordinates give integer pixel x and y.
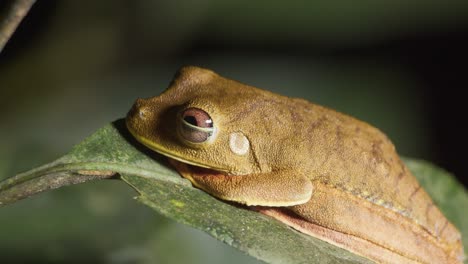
{"type": "Point", "coordinates": [319, 171]}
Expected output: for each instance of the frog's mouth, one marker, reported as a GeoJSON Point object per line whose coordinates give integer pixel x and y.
{"type": "Point", "coordinates": [175, 157]}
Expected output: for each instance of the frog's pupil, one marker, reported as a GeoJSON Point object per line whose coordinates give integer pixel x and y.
{"type": "Point", "coordinates": [191, 120]}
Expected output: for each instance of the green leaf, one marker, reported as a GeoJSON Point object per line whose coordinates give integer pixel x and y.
{"type": "Point", "coordinates": [112, 151]}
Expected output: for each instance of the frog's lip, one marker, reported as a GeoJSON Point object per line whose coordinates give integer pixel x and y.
{"type": "Point", "coordinates": [189, 171]}
{"type": "Point", "coordinates": [150, 144]}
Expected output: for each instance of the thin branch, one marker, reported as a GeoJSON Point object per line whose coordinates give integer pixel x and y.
{"type": "Point", "coordinates": [14, 13]}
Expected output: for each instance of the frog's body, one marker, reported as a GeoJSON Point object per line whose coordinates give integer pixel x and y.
{"type": "Point", "coordinates": [319, 171]}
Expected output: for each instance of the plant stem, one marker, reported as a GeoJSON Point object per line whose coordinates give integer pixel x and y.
{"type": "Point", "coordinates": [14, 13]}
{"type": "Point", "coordinates": [50, 176]}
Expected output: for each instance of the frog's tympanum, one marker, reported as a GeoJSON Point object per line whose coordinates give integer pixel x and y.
{"type": "Point", "coordinates": [321, 172]}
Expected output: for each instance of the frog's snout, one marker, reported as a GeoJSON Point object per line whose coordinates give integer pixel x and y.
{"type": "Point", "coordinates": [139, 110]}
{"type": "Point", "coordinates": [138, 116]}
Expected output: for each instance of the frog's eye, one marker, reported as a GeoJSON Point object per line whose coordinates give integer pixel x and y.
{"type": "Point", "coordinates": [195, 125]}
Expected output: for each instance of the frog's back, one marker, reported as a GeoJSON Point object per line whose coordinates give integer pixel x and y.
{"type": "Point", "coordinates": [359, 161]}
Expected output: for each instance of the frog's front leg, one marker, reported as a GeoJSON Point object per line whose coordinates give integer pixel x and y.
{"type": "Point", "coordinates": [284, 188]}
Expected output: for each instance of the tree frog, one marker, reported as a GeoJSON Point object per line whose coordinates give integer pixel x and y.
{"type": "Point", "coordinates": [319, 171]}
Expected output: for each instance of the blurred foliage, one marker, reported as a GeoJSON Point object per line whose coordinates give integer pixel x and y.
{"type": "Point", "coordinates": [79, 64]}
{"type": "Point", "coordinates": [334, 23]}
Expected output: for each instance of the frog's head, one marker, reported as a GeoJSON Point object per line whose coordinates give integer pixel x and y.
{"type": "Point", "coordinates": [211, 128]}
{"type": "Point", "coordinates": [192, 122]}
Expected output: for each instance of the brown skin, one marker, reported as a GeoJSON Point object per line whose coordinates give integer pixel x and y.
{"type": "Point", "coordinates": [322, 172]}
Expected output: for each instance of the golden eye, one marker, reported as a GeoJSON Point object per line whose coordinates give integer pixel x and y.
{"type": "Point", "coordinates": [196, 125]}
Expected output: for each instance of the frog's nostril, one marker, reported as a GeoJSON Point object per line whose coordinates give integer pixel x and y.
{"type": "Point", "coordinates": [139, 110]}
{"type": "Point", "coordinates": [142, 113]}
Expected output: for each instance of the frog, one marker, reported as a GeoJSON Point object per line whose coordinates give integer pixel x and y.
{"type": "Point", "coordinates": [321, 172]}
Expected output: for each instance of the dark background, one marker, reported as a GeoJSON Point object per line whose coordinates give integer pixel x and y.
{"type": "Point", "coordinates": [74, 66]}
